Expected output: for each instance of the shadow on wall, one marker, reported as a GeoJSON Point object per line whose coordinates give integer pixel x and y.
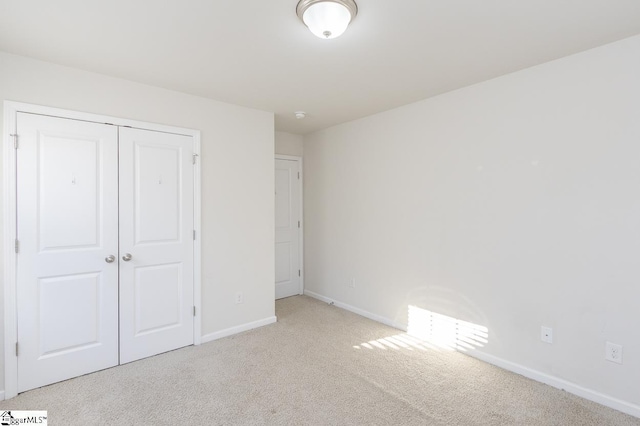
{"type": "Point", "coordinates": [432, 331]}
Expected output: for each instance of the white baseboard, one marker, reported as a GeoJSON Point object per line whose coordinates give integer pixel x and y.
{"type": "Point", "coordinates": [2, 395]}
{"type": "Point", "coordinates": [361, 312]}
{"type": "Point", "coordinates": [591, 395]}
{"type": "Point", "coordinates": [238, 329]}
{"type": "Point", "coordinates": [586, 393]}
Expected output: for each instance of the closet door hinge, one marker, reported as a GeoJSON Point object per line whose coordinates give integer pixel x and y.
{"type": "Point", "coordinates": [194, 311]}
{"type": "Point", "coordinates": [299, 272]}
{"type": "Point", "coordinates": [298, 175]}
{"type": "Point", "coordinates": [15, 140]}
{"type": "Point", "coordinates": [298, 224]}
{"type": "Point", "coordinates": [16, 348]}
{"type": "Point", "coordinates": [17, 246]}
{"type": "Point", "coordinates": [194, 158]}
{"type": "Point", "coordinates": [194, 235]}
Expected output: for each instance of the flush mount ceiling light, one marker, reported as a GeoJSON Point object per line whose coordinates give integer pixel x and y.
{"type": "Point", "coordinates": [327, 18]}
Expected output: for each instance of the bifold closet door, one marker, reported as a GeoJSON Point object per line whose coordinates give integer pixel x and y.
{"type": "Point", "coordinates": [67, 209]}
{"type": "Point", "coordinates": [156, 243]}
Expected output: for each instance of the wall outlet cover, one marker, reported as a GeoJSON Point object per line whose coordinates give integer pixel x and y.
{"type": "Point", "coordinates": [613, 352]}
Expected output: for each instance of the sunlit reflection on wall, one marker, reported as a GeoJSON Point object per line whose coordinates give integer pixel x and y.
{"type": "Point", "coordinates": [431, 331]}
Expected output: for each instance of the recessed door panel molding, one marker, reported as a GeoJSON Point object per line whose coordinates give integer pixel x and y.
{"type": "Point", "coordinates": [69, 303]}
{"type": "Point", "coordinates": [68, 190]}
{"type": "Point", "coordinates": [283, 262]}
{"type": "Point", "coordinates": [288, 230]}
{"type": "Point", "coordinates": [283, 198]}
{"type": "Point", "coordinates": [101, 256]}
{"type": "Point", "coordinates": [156, 216]}
{"type": "Point", "coordinates": [158, 297]}
{"type": "Point", "coordinates": [67, 311]}
{"type": "Point", "coordinates": [158, 197]}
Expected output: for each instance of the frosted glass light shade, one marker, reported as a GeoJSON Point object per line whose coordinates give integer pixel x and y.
{"type": "Point", "coordinates": [327, 19]}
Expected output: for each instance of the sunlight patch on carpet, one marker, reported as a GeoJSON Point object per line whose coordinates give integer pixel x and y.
{"type": "Point", "coordinates": [432, 331]}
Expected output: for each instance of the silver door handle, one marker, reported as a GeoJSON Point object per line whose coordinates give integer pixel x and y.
{"type": "Point", "coordinates": [127, 257]}
{"type": "Point", "coordinates": [110, 259]}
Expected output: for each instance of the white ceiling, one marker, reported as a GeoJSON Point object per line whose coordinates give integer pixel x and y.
{"type": "Point", "coordinates": [258, 54]}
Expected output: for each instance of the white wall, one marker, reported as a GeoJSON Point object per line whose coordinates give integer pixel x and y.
{"type": "Point", "coordinates": [511, 204]}
{"type": "Point", "coordinates": [289, 144]}
{"type": "Point", "coordinates": [237, 175]}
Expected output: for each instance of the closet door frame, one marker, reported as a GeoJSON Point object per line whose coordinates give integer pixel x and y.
{"type": "Point", "coordinates": [11, 109]}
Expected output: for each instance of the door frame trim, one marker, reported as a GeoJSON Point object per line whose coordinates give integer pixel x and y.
{"type": "Point", "coordinates": [301, 233]}
{"type": "Point", "coordinates": [11, 110]}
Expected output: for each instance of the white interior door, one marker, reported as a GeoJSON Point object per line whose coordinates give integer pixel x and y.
{"type": "Point", "coordinates": [156, 243]}
{"type": "Point", "coordinates": [67, 185]}
{"type": "Point", "coordinates": [287, 250]}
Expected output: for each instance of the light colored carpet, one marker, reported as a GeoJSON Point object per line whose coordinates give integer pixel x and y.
{"type": "Point", "coordinates": [304, 370]}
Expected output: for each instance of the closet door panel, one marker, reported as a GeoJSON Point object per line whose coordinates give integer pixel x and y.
{"type": "Point", "coordinates": [156, 243]}
{"type": "Point", "coordinates": [67, 186]}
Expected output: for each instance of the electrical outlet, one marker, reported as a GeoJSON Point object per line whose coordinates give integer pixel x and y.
{"type": "Point", "coordinates": [546, 334]}
{"type": "Point", "coordinates": [352, 283]}
{"type": "Point", "coordinates": [613, 353]}
{"type": "Point", "coordinates": [239, 298]}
